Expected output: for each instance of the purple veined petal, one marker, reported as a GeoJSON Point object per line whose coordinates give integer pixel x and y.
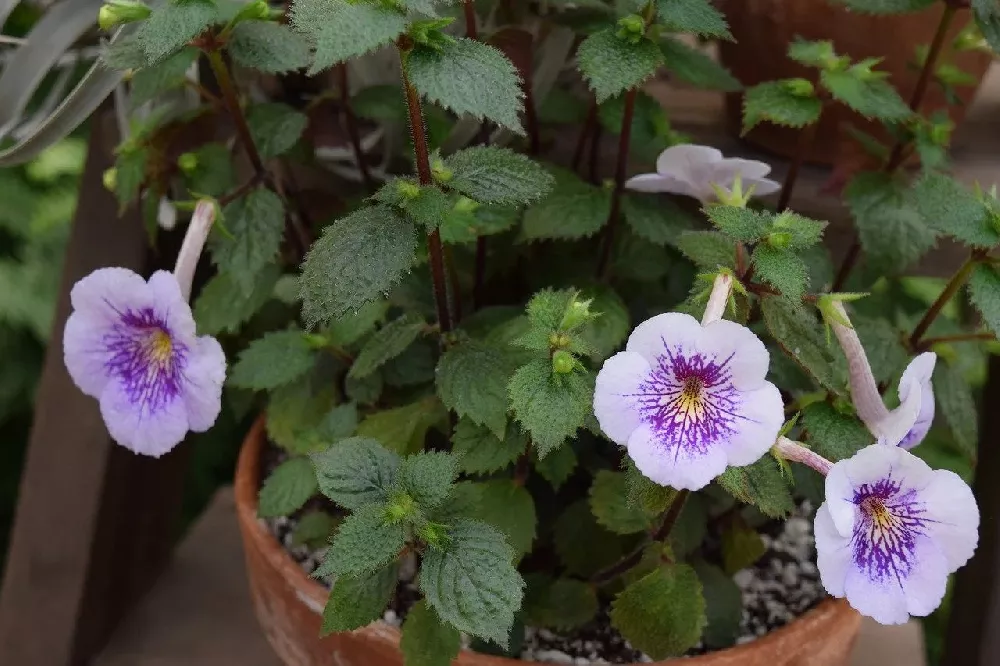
{"type": "Point", "coordinates": [171, 306]}
{"type": "Point", "coordinates": [953, 517]}
{"type": "Point", "coordinates": [203, 378]}
{"type": "Point", "coordinates": [678, 464]}
{"type": "Point", "coordinates": [650, 338]}
{"type": "Point", "coordinates": [688, 161]}
{"type": "Point", "coordinates": [915, 385]}
{"type": "Point", "coordinates": [149, 426]}
{"type": "Point", "coordinates": [725, 339]}
{"type": "Point", "coordinates": [85, 353]}
{"type": "Point", "coordinates": [869, 465]}
{"type": "Point", "coordinates": [833, 552]}
{"type": "Point", "coordinates": [615, 402]}
{"type": "Point", "coordinates": [754, 435]}
{"type": "Point", "coordinates": [105, 293]}
{"type": "Point", "coordinates": [882, 600]}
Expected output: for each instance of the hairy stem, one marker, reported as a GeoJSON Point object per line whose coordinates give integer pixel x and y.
{"type": "Point", "coordinates": [232, 101]}
{"type": "Point", "coordinates": [954, 284]}
{"type": "Point", "coordinates": [351, 123]}
{"type": "Point", "coordinates": [469, 7]}
{"type": "Point", "coordinates": [422, 155]}
{"type": "Point", "coordinates": [621, 169]}
{"type": "Point", "coordinates": [791, 450]}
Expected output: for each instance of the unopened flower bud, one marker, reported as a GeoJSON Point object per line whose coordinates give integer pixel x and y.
{"type": "Point", "coordinates": [257, 10]}
{"type": "Point", "coordinates": [577, 312]}
{"type": "Point", "coordinates": [118, 12]}
{"type": "Point", "coordinates": [779, 239]}
{"type": "Point", "coordinates": [563, 362]}
{"type": "Point", "coordinates": [110, 179]}
{"type": "Point", "coordinates": [407, 190]}
{"type": "Point", "coordinates": [441, 172]}
{"type": "Point", "coordinates": [188, 163]}
{"type": "Point", "coordinates": [400, 508]}
{"type": "Point", "coordinates": [631, 28]}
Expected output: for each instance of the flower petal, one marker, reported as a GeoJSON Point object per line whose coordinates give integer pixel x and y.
{"type": "Point", "coordinates": [107, 292]}
{"type": "Point", "coordinates": [749, 358]}
{"type": "Point", "coordinates": [916, 379]}
{"type": "Point", "coordinates": [171, 306]}
{"type": "Point", "coordinates": [137, 427]}
{"type": "Point", "coordinates": [927, 581]}
{"type": "Point", "coordinates": [881, 599]}
{"type": "Point", "coordinates": [688, 161]}
{"type": "Point", "coordinates": [672, 465]}
{"type": "Point", "coordinates": [85, 353]}
{"type": "Point", "coordinates": [614, 395]}
{"type": "Point", "coordinates": [868, 465]}
{"type": "Point", "coordinates": [761, 186]}
{"type": "Point", "coordinates": [763, 413]}
{"type": "Point", "coordinates": [204, 375]}
{"type": "Point", "coordinates": [833, 552]}
{"type": "Point", "coordinates": [725, 171]}
{"type": "Point", "coordinates": [649, 338]}
{"type": "Point", "coordinates": [953, 517]}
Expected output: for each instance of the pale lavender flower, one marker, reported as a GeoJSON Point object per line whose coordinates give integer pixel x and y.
{"type": "Point", "coordinates": [689, 400]}
{"type": "Point", "coordinates": [891, 531]}
{"type": "Point", "coordinates": [132, 345]}
{"type": "Point", "coordinates": [695, 171]}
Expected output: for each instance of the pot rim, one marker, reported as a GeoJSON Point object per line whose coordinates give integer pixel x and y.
{"type": "Point", "coordinates": [314, 595]}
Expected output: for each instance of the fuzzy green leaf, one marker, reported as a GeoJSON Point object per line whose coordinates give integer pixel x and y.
{"type": "Point", "coordinates": [172, 25]}
{"type": "Point", "coordinates": [709, 250]}
{"type": "Point", "coordinates": [404, 429]}
{"type": "Point", "coordinates": [287, 488]}
{"type": "Point", "coordinates": [295, 410]}
{"type": "Point", "coordinates": [691, 527]}
{"type": "Point", "coordinates": [583, 546]}
{"type": "Point", "coordinates": [885, 6]}
{"type": "Point", "coordinates": [356, 472]}
{"type": "Point", "coordinates": [802, 339]}
{"type": "Point", "coordinates": [357, 259]}
{"type": "Point", "coordinates": [741, 224]}
{"type": "Point", "coordinates": [950, 208]}
{"type": "Point", "coordinates": [275, 127]}
{"type": "Point", "coordinates": [797, 231]}
{"type": "Point", "coordinates": [509, 508]}
{"type": "Point", "coordinates": [365, 542]}
{"type": "Point", "coordinates": [498, 175]}
{"type": "Point", "coordinates": [723, 606]}
{"type": "Point", "coordinates": [272, 361]}
{"type": "Point", "coordinates": [833, 435]}
{"type": "Point", "coordinates": [605, 334]}
{"type": "Point", "coordinates": [892, 232]}
{"type": "Point", "coordinates": [342, 30]}
{"type": "Point", "coordinates": [472, 379]}
{"type": "Point", "coordinates": [958, 406]}
{"type": "Point", "coordinates": [149, 82]}
{"type": "Point", "coordinates": [656, 219]}
{"type": "Point", "coordinates": [663, 613]}
{"type": "Point", "coordinates": [222, 307]}
{"type": "Point", "coordinates": [467, 76]}
{"type": "Point", "coordinates": [695, 16]}
{"type": "Point", "coordinates": [125, 53]}
{"type": "Point", "coordinates": [256, 223]}
{"type": "Point", "coordinates": [760, 484]}
{"type": "Point", "coordinates": [389, 342]}
{"type": "Point", "coordinates": [984, 292]}
{"type": "Point", "coordinates": [267, 47]}
{"type": "Point", "coordinates": [558, 466]}
{"type": "Point", "coordinates": [130, 167]}
{"type": "Point", "coordinates": [782, 269]}
{"type": "Point", "coordinates": [481, 452]}
{"type": "Point", "coordinates": [741, 547]}
{"type": "Point", "coordinates": [611, 64]}
{"type": "Point", "coordinates": [610, 504]}
{"type": "Point", "coordinates": [472, 583]}
{"type": "Point", "coordinates": [426, 640]}
{"type": "Point", "coordinates": [872, 98]}
{"type": "Point", "coordinates": [696, 68]}
{"type": "Point", "coordinates": [428, 206]}
{"type": "Point", "coordinates": [562, 604]}
{"type": "Point", "coordinates": [414, 366]}
{"type": "Point", "coordinates": [550, 407]}
{"type": "Point", "coordinates": [649, 497]}
{"type": "Point", "coordinates": [214, 174]}
{"type": "Point", "coordinates": [987, 15]}
{"type": "Point", "coordinates": [774, 102]}
{"type": "Point", "coordinates": [350, 328]}
{"type": "Point", "coordinates": [428, 477]}
{"type": "Point", "coordinates": [573, 209]}
{"type": "Point", "coordinates": [313, 529]}
{"type": "Point", "coordinates": [358, 600]}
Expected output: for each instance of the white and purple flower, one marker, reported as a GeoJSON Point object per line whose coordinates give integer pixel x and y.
{"type": "Point", "coordinates": [696, 171]}
{"type": "Point", "coordinates": [891, 531]}
{"type": "Point", "coordinates": [689, 399]}
{"type": "Point", "coordinates": [132, 345]}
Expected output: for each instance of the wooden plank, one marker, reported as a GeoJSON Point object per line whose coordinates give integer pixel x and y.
{"type": "Point", "coordinates": [94, 522]}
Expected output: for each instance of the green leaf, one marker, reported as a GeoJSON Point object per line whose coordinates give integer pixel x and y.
{"type": "Point", "coordinates": [723, 606]}
{"type": "Point", "coordinates": [782, 269]}
{"type": "Point", "coordinates": [892, 232]}
{"type": "Point", "coordinates": [604, 334]}
{"type": "Point", "coordinates": [774, 102]}
{"type": "Point", "coordinates": [472, 584]}
{"type": "Point", "coordinates": [149, 82]}
{"type": "Point", "coordinates": [694, 16]}
{"type": "Point", "coordinates": [313, 529]}
{"type": "Point", "coordinates": [740, 224]}
{"type": "Point", "coordinates": [984, 292]}
{"type": "Point", "coordinates": [797, 231]}
{"type": "Point", "coordinates": [610, 505]}
{"type": "Point", "coordinates": [741, 547]}
{"type": "Point", "coordinates": [427, 206]}
{"type": "Point", "coordinates": [222, 307]}
{"type": "Point", "coordinates": [509, 508]}
{"type": "Point", "coordinates": [295, 410]}
{"type": "Point", "coordinates": [350, 328]}
{"type": "Point", "coordinates": [130, 167]}
{"type": "Point", "coordinates": [558, 466]}
{"type": "Point", "coordinates": [691, 527]}
{"type": "Point", "coordinates": [801, 338]}
{"type": "Point", "coordinates": [481, 452]}
{"type": "Point", "coordinates": [365, 543]}
{"type": "Point", "coordinates": [426, 640]}
{"type": "Point", "coordinates": [287, 488]}
{"type": "Point", "coordinates": [709, 250]}
{"type": "Point", "coordinates": [357, 259]}
{"type": "Point", "coordinates": [358, 600]}
{"type": "Point", "coordinates": [987, 15]}
{"type": "Point", "coordinates": [872, 98]}
{"type": "Point", "coordinates": [950, 208]}
{"type": "Point", "coordinates": [550, 407]}
{"type": "Point", "coordinates": [256, 223]}
{"type": "Point", "coordinates": [414, 366]}
{"type": "Point", "coordinates": [214, 174]}
{"type": "Point", "coordinates": [760, 484]}
{"type": "Point", "coordinates": [125, 53]}
{"type": "Point", "coordinates": [573, 209]}
{"type": "Point", "coordinates": [562, 604]}
{"type": "Point", "coordinates": [267, 47]}
{"type": "Point", "coordinates": [833, 435]}
{"type": "Point", "coordinates": [172, 25]}
{"type": "Point", "coordinates": [404, 429]}
{"type": "Point", "coordinates": [656, 219]}
{"type": "Point", "coordinates": [611, 64]}
{"type": "Point", "coordinates": [497, 175]}
{"type": "Point", "coordinates": [356, 472]}
{"type": "Point", "coordinates": [885, 6]}
{"type": "Point", "coordinates": [275, 127]}
{"type": "Point", "coordinates": [650, 498]}
{"type": "Point", "coordinates": [472, 379]}
{"type": "Point", "coordinates": [342, 30]}
{"type": "Point", "coordinates": [663, 613]}
{"type": "Point", "coordinates": [428, 477]}
{"type": "Point", "coordinates": [696, 67]}
{"type": "Point", "coordinates": [273, 360]}
{"type": "Point", "coordinates": [957, 405]}
{"type": "Point", "coordinates": [583, 546]}
{"type": "Point", "coordinates": [389, 342]}
{"type": "Point", "coordinates": [466, 76]}
{"type": "Point", "coordinates": [384, 103]}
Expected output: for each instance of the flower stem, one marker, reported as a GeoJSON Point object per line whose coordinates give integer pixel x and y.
{"type": "Point", "coordinates": [470, 19]}
{"type": "Point", "coordinates": [954, 284]}
{"type": "Point", "coordinates": [670, 517]}
{"type": "Point", "coordinates": [898, 153]}
{"type": "Point", "coordinates": [794, 451]}
{"type": "Point", "coordinates": [422, 155]}
{"type": "Point", "coordinates": [232, 100]}
{"type": "Point", "coordinates": [927, 343]}
{"type": "Point", "coordinates": [194, 242]}
{"type": "Point", "coordinates": [718, 299]}
{"type": "Point", "coordinates": [621, 168]}
{"type": "Point", "coordinates": [864, 390]}
{"type": "Point", "coordinates": [351, 123]}
{"type": "Point", "coordinates": [806, 138]}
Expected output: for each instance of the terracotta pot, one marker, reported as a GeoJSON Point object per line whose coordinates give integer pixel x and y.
{"type": "Point", "coordinates": [764, 28]}
{"type": "Point", "coordinates": [289, 604]}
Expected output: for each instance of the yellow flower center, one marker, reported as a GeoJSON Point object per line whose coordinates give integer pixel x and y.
{"type": "Point", "coordinates": [875, 508]}
{"type": "Point", "coordinates": [160, 347]}
{"type": "Point", "coordinates": [690, 404]}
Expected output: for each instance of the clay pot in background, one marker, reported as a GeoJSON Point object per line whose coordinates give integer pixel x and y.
{"type": "Point", "coordinates": [764, 28]}
{"type": "Point", "coordinates": [289, 606]}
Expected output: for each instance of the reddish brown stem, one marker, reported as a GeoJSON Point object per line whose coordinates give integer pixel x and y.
{"type": "Point", "coordinates": [232, 101]}
{"type": "Point", "coordinates": [927, 343]}
{"type": "Point", "coordinates": [470, 19]}
{"type": "Point", "coordinates": [351, 121]}
{"type": "Point", "coordinates": [950, 289]}
{"type": "Point", "coordinates": [621, 170]}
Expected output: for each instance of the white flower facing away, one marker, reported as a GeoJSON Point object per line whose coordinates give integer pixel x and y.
{"type": "Point", "coordinates": [891, 531]}
{"type": "Point", "coordinates": [694, 171]}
